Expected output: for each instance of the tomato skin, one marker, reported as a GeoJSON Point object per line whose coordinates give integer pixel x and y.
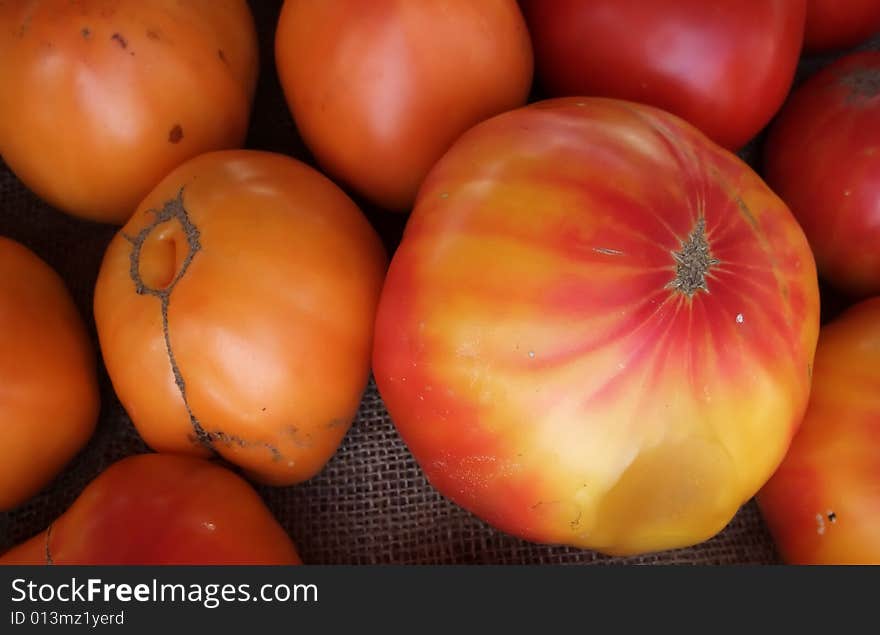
{"type": "Point", "coordinates": [49, 396]}
{"type": "Point", "coordinates": [840, 24]}
{"type": "Point", "coordinates": [100, 99]}
{"type": "Point", "coordinates": [823, 158]}
{"type": "Point", "coordinates": [822, 505]}
{"type": "Point", "coordinates": [534, 359]}
{"type": "Point", "coordinates": [379, 90]}
{"type": "Point", "coordinates": [160, 509]}
{"type": "Point", "coordinates": [694, 58]}
{"type": "Point", "coordinates": [274, 276]}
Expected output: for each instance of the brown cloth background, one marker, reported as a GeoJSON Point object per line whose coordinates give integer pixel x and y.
{"type": "Point", "coordinates": [371, 504]}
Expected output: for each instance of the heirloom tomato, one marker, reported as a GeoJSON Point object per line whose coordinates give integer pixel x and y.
{"type": "Point", "coordinates": [823, 158]}
{"type": "Point", "coordinates": [235, 313]}
{"type": "Point", "coordinates": [823, 503]}
{"type": "Point", "coordinates": [379, 90]}
{"type": "Point", "coordinates": [837, 24]}
{"type": "Point", "coordinates": [100, 99]}
{"type": "Point", "coordinates": [48, 384]}
{"type": "Point", "coordinates": [724, 65]}
{"type": "Point", "coordinates": [598, 328]}
{"type": "Point", "coordinates": [161, 509]}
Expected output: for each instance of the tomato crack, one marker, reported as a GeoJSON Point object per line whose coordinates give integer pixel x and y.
{"type": "Point", "coordinates": [48, 538]}
{"type": "Point", "coordinates": [171, 210]}
{"type": "Point", "coordinates": [231, 439]}
{"type": "Point", "coordinates": [175, 210]}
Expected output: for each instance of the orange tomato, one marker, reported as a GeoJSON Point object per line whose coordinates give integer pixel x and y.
{"type": "Point", "coordinates": [598, 328]}
{"type": "Point", "coordinates": [49, 397]}
{"type": "Point", "coordinates": [822, 505]}
{"type": "Point", "coordinates": [100, 99]}
{"type": "Point", "coordinates": [379, 90]}
{"type": "Point", "coordinates": [161, 509]}
{"type": "Point", "coordinates": [235, 313]}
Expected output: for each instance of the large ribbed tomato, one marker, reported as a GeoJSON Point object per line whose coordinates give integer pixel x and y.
{"type": "Point", "coordinates": [823, 503]}
{"type": "Point", "coordinates": [823, 158]}
{"type": "Point", "coordinates": [161, 509]}
{"type": "Point", "coordinates": [380, 89]}
{"type": "Point", "coordinates": [598, 328]}
{"type": "Point", "coordinates": [235, 313]}
{"type": "Point", "coordinates": [100, 99]}
{"type": "Point", "coordinates": [724, 65]}
{"type": "Point", "coordinates": [48, 384]}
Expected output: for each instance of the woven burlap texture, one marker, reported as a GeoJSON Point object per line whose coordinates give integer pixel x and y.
{"type": "Point", "coordinates": [371, 504]}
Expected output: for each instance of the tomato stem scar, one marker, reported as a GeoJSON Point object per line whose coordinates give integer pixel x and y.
{"type": "Point", "coordinates": [693, 262]}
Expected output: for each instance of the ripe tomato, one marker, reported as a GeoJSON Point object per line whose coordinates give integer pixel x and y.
{"type": "Point", "coordinates": [48, 386]}
{"type": "Point", "coordinates": [823, 157]}
{"type": "Point", "coordinates": [379, 90]}
{"type": "Point", "coordinates": [161, 509]}
{"type": "Point", "coordinates": [838, 24]}
{"type": "Point", "coordinates": [235, 313]}
{"type": "Point", "coordinates": [598, 328]}
{"type": "Point", "coordinates": [100, 99]}
{"type": "Point", "coordinates": [724, 65]}
{"type": "Point", "coordinates": [823, 503]}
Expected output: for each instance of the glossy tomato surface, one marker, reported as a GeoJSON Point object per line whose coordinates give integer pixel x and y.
{"type": "Point", "coordinates": [161, 509]}
{"type": "Point", "coordinates": [235, 313]}
{"type": "Point", "coordinates": [48, 385]}
{"type": "Point", "coordinates": [838, 24]}
{"type": "Point", "coordinates": [379, 90]}
{"type": "Point", "coordinates": [725, 65]}
{"type": "Point", "coordinates": [598, 328]}
{"type": "Point", "coordinates": [100, 99]}
{"type": "Point", "coordinates": [823, 157]}
{"type": "Point", "coordinates": [823, 503]}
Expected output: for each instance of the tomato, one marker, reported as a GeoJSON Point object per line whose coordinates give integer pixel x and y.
{"type": "Point", "coordinates": [379, 90]}
{"type": "Point", "coordinates": [100, 99]}
{"type": "Point", "coordinates": [838, 24]}
{"type": "Point", "coordinates": [49, 397]}
{"type": "Point", "coordinates": [823, 503]}
{"type": "Point", "coordinates": [724, 65]}
{"type": "Point", "coordinates": [161, 509]}
{"type": "Point", "coordinates": [235, 313]}
{"type": "Point", "coordinates": [823, 157]}
{"type": "Point", "coordinates": [598, 328]}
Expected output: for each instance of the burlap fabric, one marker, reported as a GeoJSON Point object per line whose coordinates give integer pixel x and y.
{"type": "Point", "coordinates": [371, 504]}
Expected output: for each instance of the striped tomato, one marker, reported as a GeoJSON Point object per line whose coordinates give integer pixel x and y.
{"type": "Point", "coordinates": [823, 503]}
{"type": "Point", "coordinates": [599, 327]}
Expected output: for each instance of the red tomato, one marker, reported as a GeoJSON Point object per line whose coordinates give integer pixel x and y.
{"type": "Point", "coordinates": [48, 385]}
{"type": "Point", "coordinates": [380, 89]}
{"type": "Point", "coordinates": [162, 509]}
{"type": "Point", "coordinates": [235, 312]}
{"type": "Point", "coordinates": [823, 157]}
{"type": "Point", "coordinates": [838, 24]}
{"type": "Point", "coordinates": [724, 65]}
{"type": "Point", "coordinates": [100, 99]}
{"type": "Point", "coordinates": [823, 503]}
{"type": "Point", "coordinates": [598, 328]}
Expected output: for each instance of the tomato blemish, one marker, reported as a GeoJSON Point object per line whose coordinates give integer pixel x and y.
{"type": "Point", "coordinates": [862, 82]}
{"type": "Point", "coordinates": [121, 41]}
{"type": "Point", "coordinates": [175, 134]}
